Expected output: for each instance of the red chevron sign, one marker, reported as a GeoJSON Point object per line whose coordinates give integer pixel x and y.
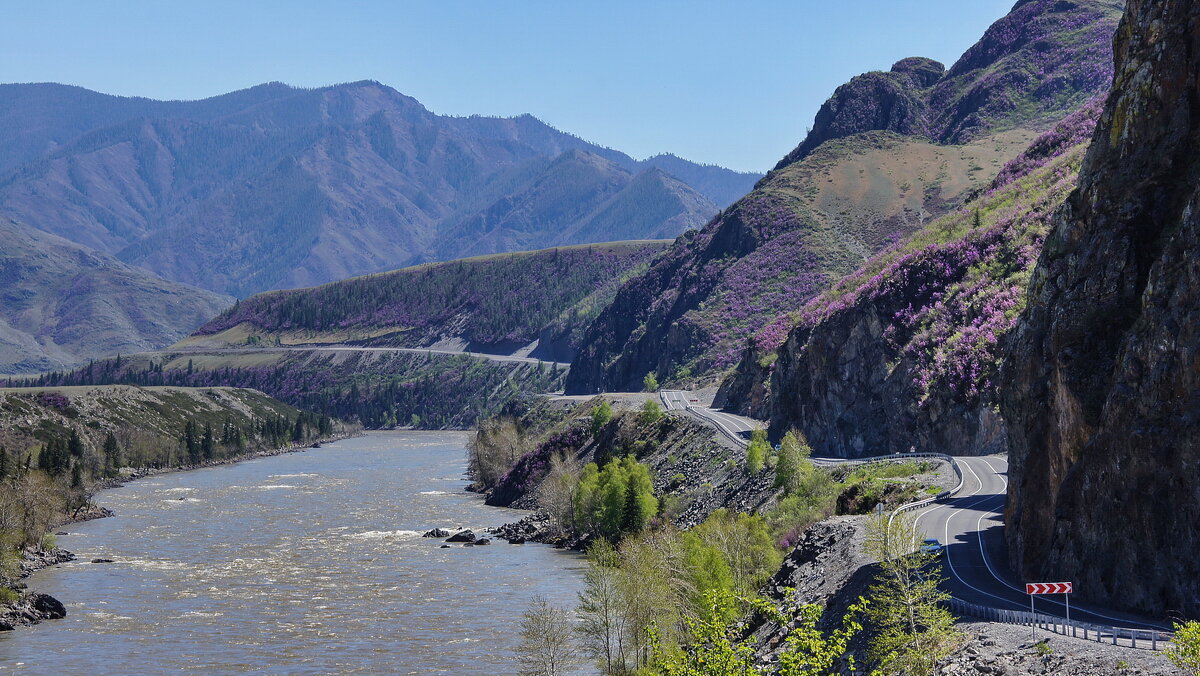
{"type": "Point", "coordinates": [1048, 588]}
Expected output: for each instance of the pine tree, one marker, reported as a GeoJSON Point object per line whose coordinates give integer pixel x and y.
{"type": "Point", "coordinates": [207, 442]}
{"type": "Point", "coordinates": [75, 445]}
{"type": "Point", "coordinates": [112, 454]}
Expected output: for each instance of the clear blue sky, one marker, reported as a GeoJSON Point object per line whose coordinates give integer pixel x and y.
{"type": "Point", "coordinates": [734, 83]}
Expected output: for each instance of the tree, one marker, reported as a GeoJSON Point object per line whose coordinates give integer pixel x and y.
{"type": "Point", "coordinates": [191, 442]}
{"type": "Point", "coordinates": [602, 626]}
{"type": "Point", "coordinates": [497, 446]}
{"type": "Point", "coordinates": [616, 499]}
{"type": "Point", "coordinates": [651, 413]}
{"type": "Point", "coordinates": [913, 631]}
{"type": "Point", "coordinates": [756, 451]}
{"type": "Point", "coordinates": [650, 382]}
{"type": "Point", "coordinates": [556, 493]}
{"type": "Point", "coordinates": [601, 414]}
{"type": "Point", "coordinates": [1185, 653]}
{"type": "Point", "coordinates": [112, 454]}
{"type": "Point", "coordinates": [75, 444]}
{"type": "Point", "coordinates": [546, 647]}
{"type": "Point", "coordinates": [715, 648]}
{"type": "Point", "coordinates": [207, 442]}
{"type": "Point", "coordinates": [793, 463]}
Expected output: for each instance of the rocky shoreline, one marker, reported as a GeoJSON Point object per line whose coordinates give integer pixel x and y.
{"type": "Point", "coordinates": [33, 607]}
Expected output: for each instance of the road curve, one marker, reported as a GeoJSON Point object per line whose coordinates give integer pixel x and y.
{"type": "Point", "coordinates": [969, 525]}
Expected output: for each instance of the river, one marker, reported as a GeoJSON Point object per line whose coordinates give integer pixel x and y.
{"type": "Point", "coordinates": [302, 563]}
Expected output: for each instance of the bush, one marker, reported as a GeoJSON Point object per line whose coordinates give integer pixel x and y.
{"type": "Point", "coordinates": [1186, 653]}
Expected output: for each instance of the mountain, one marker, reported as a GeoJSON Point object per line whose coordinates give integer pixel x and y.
{"type": "Point", "coordinates": [890, 152]}
{"type": "Point", "coordinates": [1101, 376]}
{"type": "Point", "coordinates": [62, 304]}
{"type": "Point", "coordinates": [904, 352]}
{"type": "Point", "coordinates": [535, 302]}
{"type": "Point", "coordinates": [276, 187]}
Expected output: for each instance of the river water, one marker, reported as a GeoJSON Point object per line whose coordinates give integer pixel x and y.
{"type": "Point", "coordinates": [309, 562]}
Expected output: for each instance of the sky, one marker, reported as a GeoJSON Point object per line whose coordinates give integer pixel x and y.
{"type": "Point", "coordinates": [733, 83]}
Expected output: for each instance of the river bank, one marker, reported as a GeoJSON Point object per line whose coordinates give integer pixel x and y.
{"type": "Point", "coordinates": [32, 607]}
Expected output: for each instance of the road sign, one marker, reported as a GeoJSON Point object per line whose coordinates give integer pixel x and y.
{"type": "Point", "coordinates": [1048, 588]}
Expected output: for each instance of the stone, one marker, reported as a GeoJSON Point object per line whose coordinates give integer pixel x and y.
{"type": "Point", "coordinates": [483, 541]}
{"type": "Point", "coordinates": [49, 607]}
{"type": "Point", "coordinates": [102, 560]}
{"type": "Point", "coordinates": [462, 536]}
{"type": "Point", "coordinates": [436, 533]}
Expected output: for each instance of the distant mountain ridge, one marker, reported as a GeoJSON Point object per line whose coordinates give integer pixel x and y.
{"type": "Point", "coordinates": [277, 187]}
{"type": "Point", "coordinates": [62, 304]}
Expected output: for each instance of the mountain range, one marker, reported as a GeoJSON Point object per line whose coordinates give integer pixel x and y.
{"type": "Point", "coordinates": [277, 187]}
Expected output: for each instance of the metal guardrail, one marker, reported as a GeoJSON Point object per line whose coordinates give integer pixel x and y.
{"type": "Point", "coordinates": [1150, 639]}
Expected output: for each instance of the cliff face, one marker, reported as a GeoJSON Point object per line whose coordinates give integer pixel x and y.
{"type": "Point", "coordinates": [1101, 384]}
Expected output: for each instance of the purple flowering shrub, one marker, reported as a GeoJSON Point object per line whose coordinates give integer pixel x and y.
{"type": "Point", "coordinates": [54, 400]}
{"type": "Point", "coordinates": [947, 304]}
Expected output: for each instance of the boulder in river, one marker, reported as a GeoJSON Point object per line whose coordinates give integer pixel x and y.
{"type": "Point", "coordinates": [436, 533]}
{"type": "Point", "coordinates": [102, 560]}
{"type": "Point", "coordinates": [464, 536]}
{"type": "Point", "coordinates": [483, 541]}
{"type": "Point", "coordinates": [49, 607]}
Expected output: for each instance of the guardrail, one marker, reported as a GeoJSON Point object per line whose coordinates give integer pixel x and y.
{"type": "Point", "coordinates": [1150, 639]}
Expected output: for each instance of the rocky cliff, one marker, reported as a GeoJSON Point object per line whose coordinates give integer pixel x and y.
{"type": "Point", "coordinates": [1101, 383]}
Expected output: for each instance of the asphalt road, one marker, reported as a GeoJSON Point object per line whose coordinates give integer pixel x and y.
{"type": "Point", "coordinates": [969, 525]}
{"type": "Point", "coordinates": [349, 348]}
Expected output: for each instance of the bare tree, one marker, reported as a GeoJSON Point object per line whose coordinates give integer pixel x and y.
{"type": "Point", "coordinates": [546, 648]}
{"type": "Point", "coordinates": [497, 446]}
{"type": "Point", "coordinates": [556, 493]}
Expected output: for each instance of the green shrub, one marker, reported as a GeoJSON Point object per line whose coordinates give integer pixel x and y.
{"type": "Point", "coordinates": [601, 414]}
{"type": "Point", "coordinates": [616, 500]}
{"type": "Point", "coordinates": [756, 452]}
{"type": "Point", "coordinates": [650, 382]}
{"type": "Point", "coordinates": [651, 413]}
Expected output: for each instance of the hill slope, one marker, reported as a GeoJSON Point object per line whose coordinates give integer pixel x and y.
{"type": "Point", "coordinates": [870, 173]}
{"type": "Point", "coordinates": [62, 304]}
{"type": "Point", "coordinates": [539, 301]}
{"type": "Point", "coordinates": [276, 187]}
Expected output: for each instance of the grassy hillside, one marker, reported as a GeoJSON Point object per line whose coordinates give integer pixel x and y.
{"type": "Point", "coordinates": [492, 303]}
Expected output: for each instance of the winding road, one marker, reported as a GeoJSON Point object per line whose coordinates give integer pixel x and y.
{"type": "Point", "coordinates": [504, 358]}
{"type": "Point", "coordinates": [969, 525]}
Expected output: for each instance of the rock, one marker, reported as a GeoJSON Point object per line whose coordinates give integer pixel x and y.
{"type": "Point", "coordinates": [483, 541]}
{"type": "Point", "coordinates": [49, 607]}
{"type": "Point", "coordinates": [436, 533]}
{"type": "Point", "coordinates": [60, 533]}
{"type": "Point", "coordinates": [444, 547]}
{"type": "Point", "coordinates": [462, 536]}
{"type": "Point", "coordinates": [102, 560]}
{"type": "Point", "coordinates": [1099, 381]}
{"type": "Point", "coordinates": [516, 541]}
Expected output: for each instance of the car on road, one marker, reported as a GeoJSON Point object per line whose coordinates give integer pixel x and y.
{"type": "Point", "coordinates": [931, 546]}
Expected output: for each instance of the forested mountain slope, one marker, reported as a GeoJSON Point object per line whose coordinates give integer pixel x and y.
{"type": "Point", "coordinates": [62, 304]}
{"type": "Point", "coordinates": [890, 152]}
{"type": "Point", "coordinates": [277, 187]}
{"type": "Point", "coordinates": [539, 301]}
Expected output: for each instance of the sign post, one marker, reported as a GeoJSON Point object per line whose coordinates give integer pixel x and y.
{"type": "Point", "coordinates": [1035, 588]}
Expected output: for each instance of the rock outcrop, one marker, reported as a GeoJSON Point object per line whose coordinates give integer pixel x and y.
{"type": "Point", "coordinates": [1101, 383]}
